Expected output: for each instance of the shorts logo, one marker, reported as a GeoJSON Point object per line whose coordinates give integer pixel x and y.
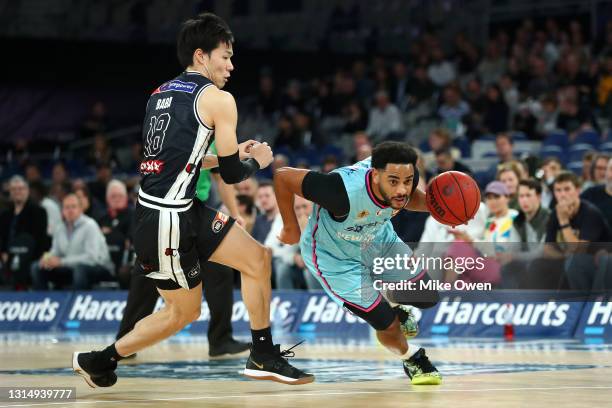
{"type": "Point", "coordinates": [194, 272]}
{"type": "Point", "coordinates": [219, 222]}
{"type": "Point", "coordinates": [151, 166]}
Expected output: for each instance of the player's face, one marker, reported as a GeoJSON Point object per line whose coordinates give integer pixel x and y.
{"type": "Point", "coordinates": [219, 64]}
{"type": "Point", "coordinates": [395, 184]}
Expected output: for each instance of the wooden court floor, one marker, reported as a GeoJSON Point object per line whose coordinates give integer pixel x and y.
{"type": "Point", "coordinates": [477, 373]}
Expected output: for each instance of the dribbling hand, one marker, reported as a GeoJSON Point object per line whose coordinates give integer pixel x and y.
{"type": "Point", "coordinates": [262, 153]}
{"type": "Point", "coordinates": [244, 148]}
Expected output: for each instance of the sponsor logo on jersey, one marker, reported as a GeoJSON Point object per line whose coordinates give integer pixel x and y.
{"type": "Point", "coordinates": [363, 214]}
{"type": "Point", "coordinates": [176, 85]}
{"type": "Point", "coordinates": [219, 222]}
{"type": "Point", "coordinates": [151, 167]}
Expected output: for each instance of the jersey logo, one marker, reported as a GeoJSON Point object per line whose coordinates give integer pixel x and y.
{"type": "Point", "coordinates": [151, 167]}
{"type": "Point", "coordinates": [156, 134]}
{"type": "Point", "coordinates": [176, 85]}
{"type": "Point", "coordinates": [362, 214]}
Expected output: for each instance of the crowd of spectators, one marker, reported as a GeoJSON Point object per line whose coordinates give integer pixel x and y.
{"type": "Point", "coordinates": [69, 231]}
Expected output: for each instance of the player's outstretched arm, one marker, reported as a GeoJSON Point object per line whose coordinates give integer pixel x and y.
{"type": "Point", "coordinates": [287, 182]}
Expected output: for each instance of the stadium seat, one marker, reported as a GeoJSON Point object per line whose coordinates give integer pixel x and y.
{"type": "Point", "coordinates": [519, 136]}
{"type": "Point", "coordinates": [552, 150]}
{"type": "Point", "coordinates": [557, 138]}
{"type": "Point", "coordinates": [606, 147]}
{"type": "Point", "coordinates": [463, 145]}
{"type": "Point", "coordinates": [575, 167]}
{"type": "Point", "coordinates": [588, 137]}
{"type": "Point", "coordinates": [576, 151]}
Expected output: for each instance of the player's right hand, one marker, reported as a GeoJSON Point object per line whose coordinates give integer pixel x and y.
{"type": "Point", "coordinates": [244, 148]}
{"type": "Point", "coordinates": [263, 154]}
{"type": "Point", "coordinates": [289, 235]}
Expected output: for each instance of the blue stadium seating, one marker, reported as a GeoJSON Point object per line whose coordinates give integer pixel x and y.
{"type": "Point", "coordinates": [557, 138]}
{"type": "Point", "coordinates": [588, 137]}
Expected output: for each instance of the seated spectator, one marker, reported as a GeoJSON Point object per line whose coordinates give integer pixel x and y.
{"type": "Point", "coordinates": [360, 140]}
{"type": "Point", "coordinates": [601, 195]}
{"type": "Point", "coordinates": [440, 71]}
{"type": "Point", "coordinates": [573, 231]}
{"type": "Point", "coordinates": [439, 139]}
{"type": "Point", "coordinates": [420, 87]}
{"type": "Point", "coordinates": [530, 228]}
{"type": "Point", "coordinates": [504, 145]}
{"type": "Point", "coordinates": [246, 208]}
{"type": "Point", "coordinates": [104, 174]}
{"type": "Point", "coordinates": [330, 162]}
{"type": "Point", "coordinates": [23, 234]}
{"type": "Point", "coordinates": [266, 202]}
{"type": "Point", "coordinates": [446, 162]}
{"type": "Point", "coordinates": [39, 195]}
{"type": "Point", "coordinates": [90, 205]}
{"type": "Point", "coordinates": [248, 187]}
{"type": "Point", "coordinates": [385, 117]}
{"type": "Point", "coordinates": [525, 121]}
{"type": "Point", "coordinates": [510, 174]}
{"type": "Point", "coordinates": [356, 118]}
{"type": "Point", "coordinates": [587, 162]}
{"type": "Point", "coordinates": [32, 173]}
{"type": "Point", "coordinates": [287, 136]}
{"type": "Point", "coordinates": [453, 108]}
{"type": "Point", "coordinates": [303, 209]}
{"type": "Point", "coordinates": [78, 255]}
{"type": "Point", "coordinates": [547, 115]}
{"type": "Point", "coordinates": [493, 239]}
{"type": "Point", "coordinates": [550, 169]}
{"type": "Point", "coordinates": [597, 172]}
{"type": "Point", "coordinates": [496, 111]}
{"type": "Point", "coordinates": [116, 227]}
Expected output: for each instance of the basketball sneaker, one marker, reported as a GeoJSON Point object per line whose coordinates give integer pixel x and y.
{"type": "Point", "coordinates": [275, 367]}
{"type": "Point", "coordinates": [420, 370]}
{"type": "Point", "coordinates": [86, 365]}
{"type": "Point", "coordinates": [408, 323]}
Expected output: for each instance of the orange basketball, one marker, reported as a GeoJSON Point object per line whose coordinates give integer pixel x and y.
{"type": "Point", "coordinates": [453, 198]}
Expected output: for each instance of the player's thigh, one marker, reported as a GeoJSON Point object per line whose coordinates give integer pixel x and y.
{"type": "Point", "coordinates": [241, 251]}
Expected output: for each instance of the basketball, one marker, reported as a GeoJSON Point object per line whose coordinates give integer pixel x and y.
{"type": "Point", "coordinates": [453, 198]}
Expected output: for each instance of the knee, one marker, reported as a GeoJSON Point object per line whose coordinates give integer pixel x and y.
{"type": "Point", "coordinates": [261, 264]}
{"type": "Point", "coordinates": [182, 316]}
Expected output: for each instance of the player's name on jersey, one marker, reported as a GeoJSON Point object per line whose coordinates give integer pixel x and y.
{"type": "Point", "coordinates": [433, 284]}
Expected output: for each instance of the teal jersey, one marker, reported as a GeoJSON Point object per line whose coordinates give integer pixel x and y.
{"type": "Point", "coordinates": [368, 220]}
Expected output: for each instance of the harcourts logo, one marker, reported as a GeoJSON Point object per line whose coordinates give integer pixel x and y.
{"type": "Point", "coordinates": [85, 307]}
{"type": "Point", "coordinates": [601, 313]}
{"type": "Point", "coordinates": [494, 313]}
{"type": "Point", "coordinates": [321, 309]}
{"type": "Point", "coordinates": [43, 311]}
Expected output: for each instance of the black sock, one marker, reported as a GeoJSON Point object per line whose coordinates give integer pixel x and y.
{"type": "Point", "coordinates": [262, 341]}
{"type": "Point", "coordinates": [109, 354]}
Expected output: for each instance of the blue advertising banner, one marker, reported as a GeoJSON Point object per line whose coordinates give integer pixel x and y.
{"type": "Point", "coordinates": [532, 314]}
{"type": "Point", "coordinates": [40, 311]}
{"type": "Point", "coordinates": [595, 325]}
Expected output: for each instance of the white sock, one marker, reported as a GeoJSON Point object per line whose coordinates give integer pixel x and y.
{"type": "Point", "coordinates": [412, 348]}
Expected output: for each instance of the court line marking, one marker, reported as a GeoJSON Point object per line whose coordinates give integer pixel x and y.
{"type": "Point", "coordinates": [309, 394]}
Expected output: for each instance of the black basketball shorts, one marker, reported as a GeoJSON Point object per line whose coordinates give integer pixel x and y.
{"type": "Point", "coordinates": [170, 243]}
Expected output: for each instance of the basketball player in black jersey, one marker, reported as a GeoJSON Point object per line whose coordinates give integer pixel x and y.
{"type": "Point", "coordinates": [172, 230]}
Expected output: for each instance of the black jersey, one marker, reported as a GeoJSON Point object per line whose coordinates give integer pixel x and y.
{"type": "Point", "coordinates": [175, 140]}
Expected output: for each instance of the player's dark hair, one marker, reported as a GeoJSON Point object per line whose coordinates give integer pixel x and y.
{"type": "Point", "coordinates": [531, 184]}
{"type": "Point", "coordinates": [206, 31]}
{"type": "Point", "coordinates": [393, 152]}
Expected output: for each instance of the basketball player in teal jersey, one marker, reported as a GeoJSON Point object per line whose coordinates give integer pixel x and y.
{"type": "Point", "coordinates": [353, 210]}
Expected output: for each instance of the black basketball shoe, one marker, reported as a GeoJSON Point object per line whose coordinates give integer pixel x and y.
{"type": "Point", "coordinates": [420, 370]}
{"type": "Point", "coordinates": [87, 365]}
{"type": "Point", "coordinates": [275, 367]}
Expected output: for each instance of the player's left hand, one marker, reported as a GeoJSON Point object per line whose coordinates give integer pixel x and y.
{"type": "Point", "coordinates": [244, 149]}
{"type": "Point", "coordinates": [289, 235]}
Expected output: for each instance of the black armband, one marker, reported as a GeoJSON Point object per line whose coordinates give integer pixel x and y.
{"type": "Point", "coordinates": [233, 170]}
